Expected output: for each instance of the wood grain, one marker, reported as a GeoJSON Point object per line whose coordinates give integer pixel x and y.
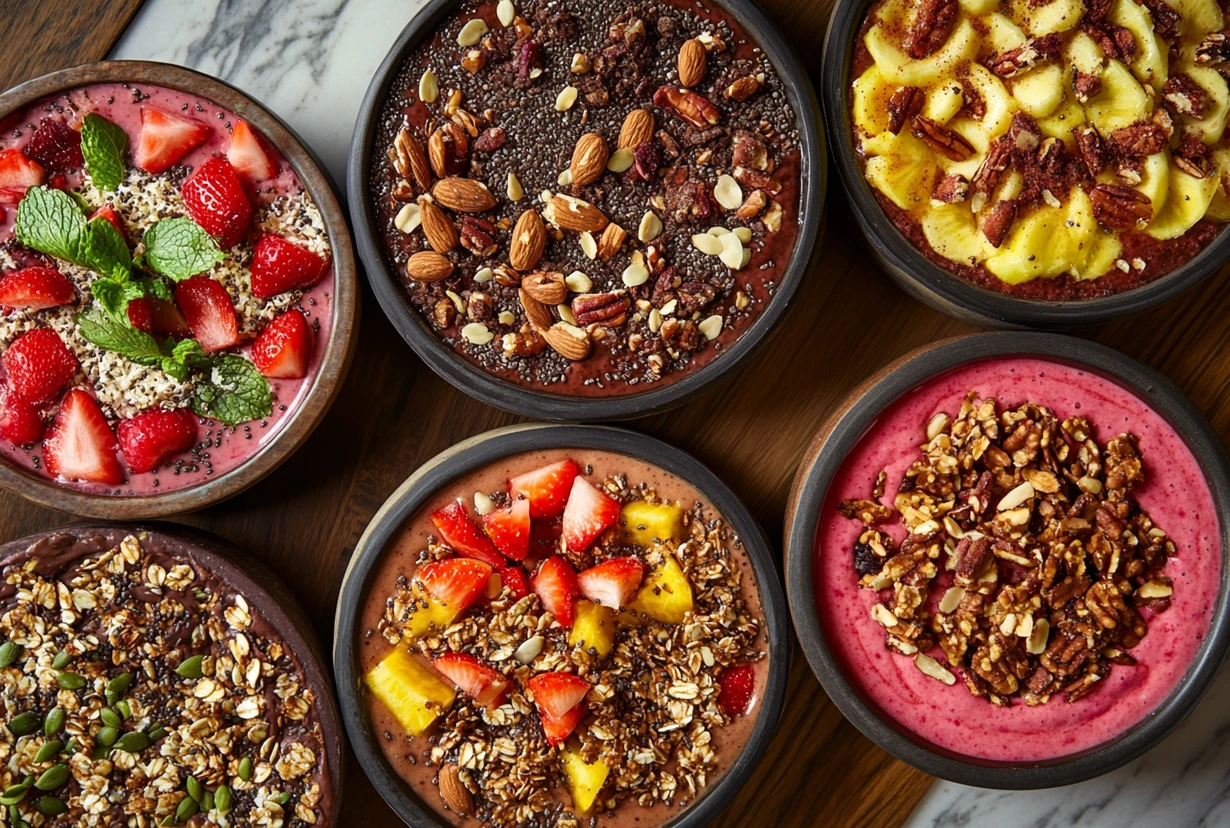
{"type": "Point", "coordinates": [393, 414]}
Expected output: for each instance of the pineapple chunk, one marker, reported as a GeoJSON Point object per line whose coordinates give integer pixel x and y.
{"type": "Point", "coordinates": [1084, 53]}
{"type": "Point", "coordinates": [1217, 111]}
{"type": "Point", "coordinates": [1056, 16]}
{"type": "Point", "coordinates": [871, 96]}
{"type": "Point", "coordinates": [1120, 102]}
{"type": "Point", "coordinates": [952, 231]}
{"type": "Point", "coordinates": [665, 596]}
{"type": "Point", "coordinates": [976, 8]}
{"type": "Point", "coordinates": [1040, 246]}
{"type": "Point", "coordinates": [1200, 17]}
{"type": "Point", "coordinates": [899, 68]}
{"type": "Point", "coordinates": [435, 615]}
{"type": "Point", "coordinates": [645, 523]}
{"type": "Point", "coordinates": [410, 691]}
{"type": "Point", "coordinates": [594, 627]}
{"type": "Point", "coordinates": [1041, 91]}
{"type": "Point", "coordinates": [1186, 202]}
{"type": "Point", "coordinates": [1061, 122]}
{"type": "Point", "coordinates": [584, 780]}
{"type": "Point", "coordinates": [1155, 179]}
{"type": "Point", "coordinates": [905, 173]}
{"type": "Point", "coordinates": [1219, 207]}
{"type": "Point", "coordinates": [1151, 63]}
{"type": "Point", "coordinates": [943, 102]}
{"type": "Point", "coordinates": [1002, 34]}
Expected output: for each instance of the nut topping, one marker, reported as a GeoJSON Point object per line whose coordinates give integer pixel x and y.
{"type": "Point", "coordinates": [933, 22]}
{"type": "Point", "coordinates": [428, 266]}
{"type": "Point", "coordinates": [568, 213]}
{"type": "Point", "coordinates": [441, 234]}
{"type": "Point", "coordinates": [693, 62]}
{"type": "Point", "coordinates": [600, 307]}
{"type": "Point", "coordinates": [454, 792]}
{"type": "Point", "coordinates": [941, 139]}
{"type": "Point", "coordinates": [463, 195]}
{"type": "Point", "coordinates": [547, 288]}
{"type": "Point", "coordinates": [412, 160]}
{"type": "Point", "coordinates": [588, 159]}
{"type": "Point", "coordinates": [1120, 208]}
{"type": "Point", "coordinates": [568, 341]}
{"type": "Point", "coordinates": [691, 106]}
{"type": "Point", "coordinates": [637, 128]}
{"type": "Point", "coordinates": [529, 239]}
{"type": "Point", "coordinates": [905, 103]}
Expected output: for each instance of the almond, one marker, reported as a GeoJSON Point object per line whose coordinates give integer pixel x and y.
{"type": "Point", "coordinates": [693, 61]}
{"type": "Point", "coordinates": [569, 213]}
{"type": "Point", "coordinates": [428, 266]}
{"type": "Point", "coordinates": [453, 791]}
{"type": "Point", "coordinates": [568, 341]}
{"type": "Point", "coordinates": [438, 154]}
{"type": "Point", "coordinates": [411, 160]}
{"type": "Point", "coordinates": [637, 128]}
{"type": "Point", "coordinates": [613, 238]}
{"type": "Point", "coordinates": [529, 239]}
{"type": "Point", "coordinates": [536, 312]}
{"type": "Point", "coordinates": [465, 195]}
{"type": "Point", "coordinates": [589, 159]}
{"type": "Point", "coordinates": [548, 288]}
{"type": "Point", "coordinates": [441, 233]}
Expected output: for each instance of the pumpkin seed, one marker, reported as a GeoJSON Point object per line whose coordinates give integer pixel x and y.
{"type": "Point", "coordinates": [187, 809]}
{"type": "Point", "coordinates": [191, 667]}
{"type": "Point", "coordinates": [15, 818]}
{"type": "Point", "coordinates": [70, 681]}
{"type": "Point", "coordinates": [110, 718]}
{"type": "Point", "coordinates": [133, 742]}
{"type": "Point", "coordinates": [222, 799]}
{"type": "Point", "coordinates": [52, 778]}
{"type": "Point", "coordinates": [194, 788]}
{"type": "Point", "coordinates": [61, 660]}
{"type": "Point", "coordinates": [14, 794]}
{"type": "Point", "coordinates": [245, 769]}
{"type": "Point", "coordinates": [50, 749]}
{"type": "Point", "coordinates": [157, 732]}
{"type": "Point", "coordinates": [207, 801]}
{"type": "Point", "coordinates": [123, 708]}
{"type": "Point", "coordinates": [50, 806]}
{"type": "Point", "coordinates": [8, 654]}
{"type": "Point", "coordinates": [281, 798]}
{"type": "Point", "coordinates": [108, 736]}
{"type": "Point", "coordinates": [54, 722]}
{"type": "Point", "coordinates": [23, 724]}
{"type": "Point", "coordinates": [117, 686]}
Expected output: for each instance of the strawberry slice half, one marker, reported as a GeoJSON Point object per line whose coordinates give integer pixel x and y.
{"type": "Point", "coordinates": [165, 318]}
{"type": "Point", "coordinates": [165, 139]}
{"type": "Point", "coordinates": [80, 445]}
{"type": "Point", "coordinates": [555, 584]}
{"type": "Point", "coordinates": [478, 681]}
{"type": "Point", "coordinates": [509, 529]}
{"type": "Point", "coordinates": [248, 155]}
{"type": "Point", "coordinates": [39, 365]}
{"type": "Point", "coordinates": [736, 687]}
{"type": "Point", "coordinates": [140, 316]}
{"type": "Point", "coordinates": [559, 728]}
{"type": "Point", "coordinates": [18, 174]}
{"type": "Point", "coordinates": [20, 424]}
{"type": "Point", "coordinates": [215, 199]}
{"type": "Point", "coordinates": [613, 582]}
{"type": "Point", "coordinates": [35, 288]}
{"type": "Point", "coordinates": [56, 146]}
{"type": "Point", "coordinates": [458, 582]}
{"type": "Point", "coordinates": [151, 438]}
{"type": "Point", "coordinates": [207, 307]}
{"type": "Point", "coordinates": [284, 348]}
{"type": "Point", "coordinates": [514, 577]}
{"type": "Point", "coordinates": [588, 514]}
{"type": "Point", "coordinates": [546, 488]}
{"type": "Point", "coordinates": [557, 694]}
{"type": "Point", "coordinates": [279, 265]}
{"type": "Point", "coordinates": [107, 213]}
{"type": "Point", "coordinates": [458, 531]}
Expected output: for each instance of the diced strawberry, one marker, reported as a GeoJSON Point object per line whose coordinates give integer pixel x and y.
{"type": "Point", "coordinates": [35, 288]}
{"type": "Point", "coordinates": [544, 536]}
{"type": "Point", "coordinates": [509, 528]}
{"type": "Point", "coordinates": [165, 139]}
{"type": "Point", "coordinates": [17, 174]}
{"type": "Point", "coordinates": [559, 728]}
{"type": "Point", "coordinates": [514, 577]}
{"type": "Point", "coordinates": [80, 445]}
{"type": "Point", "coordinates": [107, 212]}
{"type": "Point", "coordinates": [39, 365]}
{"type": "Point", "coordinates": [55, 145]}
{"type": "Point", "coordinates": [140, 316]}
{"type": "Point", "coordinates": [588, 514]}
{"type": "Point", "coordinates": [152, 437]}
{"type": "Point", "coordinates": [215, 199]}
{"type": "Point", "coordinates": [458, 582]}
{"type": "Point", "coordinates": [613, 582]}
{"type": "Point", "coordinates": [555, 584]}
{"type": "Point", "coordinates": [207, 307]}
{"type": "Point", "coordinates": [557, 693]}
{"type": "Point", "coordinates": [279, 265]}
{"type": "Point", "coordinates": [284, 347]}
{"type": "Point", "coordinates": [20, 424]}
{"type": "Point", "coordinates": [459, 532]}
{"type": "Point", "coordinates": [546, 488]}
{"type": "Point", "coordinates": [478, 681]}
{"type": "Point", "coordinates": [248, 155]}
{"type": "Point", "coordinates": [166, 319]}
{"type": "Point", "coordinates": [737, 685]}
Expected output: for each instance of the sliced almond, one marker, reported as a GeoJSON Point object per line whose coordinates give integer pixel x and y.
{"type": "Point", "coordinates": [506, 13]}
{"type": "Point", "coordinates": [453, 791]}
{"type": "Point", "coordinates": [621, 160]}
{"type": "Point", "coordinates": [744, 234]}
{"type": "Point", "coordinates": [650, 227]}
{"type": "Point", "coordinates": [565, 99]}
{"type": "Point", "coordinates": [465, 195]}
{"type": "Point", "coordinates": [1154, 589]}
{"type": "Point", "coordinates": [529, 239]}
{"type": "Point", "coordinates": [635, 274]}
{"type": "Point", "coordinates": [578, 282]}
{"type": "Point", "coordinates": [483, 275]}
{"type": "Point", "coordinates": [934, 669]}
{"type": "Point", "coordinates": [476, 333]}
{"type": "Point", "coordinates": [565, 313]}
{"type": "Point", "coordinates": [883, 616]}
{"type": "Point", "coordinates": [588, 245]}
{"type": "Point", "coordinates": [568, 341]}
{"type": "Point", "coordinates": [589, 159]}
{"type": "Point", "coordinates": [1016, 497]}
{"type": "Point", "coordinates": [732, 251]}
{"type": "Point", "coordinates": [529, 649]}
{"type": "Point", "coordinates": [408, 218]}
{"type": "Point", "coordinates": [728, 193]}
{"type": "Point", "coordinates": [441, 233]}
{"type": "Point", "coordinates": [772, 218]}
{"type": "Point", "coordinates": [515, 191]}
{"type": "Point", "coordinates": [429, 87]}
{"type": "Point", "coordinates": [637, 128]}
{"type": "Point", "coordinates": [707, 244]}
{"type": "Point", "coordinates": [952, 599]}
{"type": "Point", "coordinates": [711, 327]}
{"type": "Point", "coordinates": [472, 32]}
{"type": "Point", "coordinates": [428, 266]}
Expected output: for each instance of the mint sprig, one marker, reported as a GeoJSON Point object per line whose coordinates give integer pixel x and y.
{"type": "Point", "coordinates": [179, 249]}
{"type": "Point", "coordinates": [235, 393]}
{"type": "Point", "coordinates": [52, 222]}
{"type": "Point", "coordinates": [103, 144]}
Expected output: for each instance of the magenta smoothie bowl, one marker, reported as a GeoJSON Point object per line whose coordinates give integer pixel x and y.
{"type": "Point", "coordinates": [1019, 535]}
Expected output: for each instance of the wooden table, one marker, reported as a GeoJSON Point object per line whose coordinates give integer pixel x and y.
{"type": "Point", "coordinates": [848, 320]}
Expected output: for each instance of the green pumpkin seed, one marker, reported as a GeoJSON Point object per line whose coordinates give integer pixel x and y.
{"type": "Point", "coordinates": [54, 722]}
{"type": "Point", "coordinates": [169, 819]}
{"type": "Point", "coordinates": [70, 681]}
{"type": "Point", "coordinates": [207, 801]}
{"type": "Point", "coordinates": [157, 733]}
{"type": "Point", "coordinates": [52, 778]}
{"type": "Point", "coordinates": [50, 806]}
{"type": "Point", "coordinates": [50, 750]}
{"type": "Point", "coordinates": [245, 769]}
{"type": "Point", "coordinates": [281, 798]}
{"type": "Point", "coordinates": [187, 809]}
{"type": "Point", "coordinates": [14, 794]}
{"type": "Point", "coordinates": [70, 747]}
{"type": "Point", "coordinates": [195, 790]}
{"type": "Point", "coordinates": [117, 687]}
{"type": "Point", "coordinates": [23, 724]}
{"type": "Point", "coordinates": [8, 654]}
{"type": "Point", "coordinates": [222, 799]}
{"type": "Point", "coordinates": [15, 818]}
{"type": "Point", "coordinates": [61, 660]}
{"type": "Point", "coordinates": [133, 742]}
{"type": "Point", "coordinates": [100, 752]}
{"type": "Point", "coordinates": [191, 667]}
{"type": "Point", "coordinates": [123, 708]}
{"type": "Point", "coordinates": [110, 718]}
{"type": "Point", "coordinates": [107, 736]}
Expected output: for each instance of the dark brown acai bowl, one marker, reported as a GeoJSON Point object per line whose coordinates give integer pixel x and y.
{"type": "Point", "coordinates": [1033, 165]}
{"type": "Point", "coordinates": [562, 225]}
{"type": "Point", "coordinates": [178, 296]}
{"type": "Point", "coordinates": [1006, 559]}
{"type": "Point", "coordinates": [561, 625]}
{"type": "Point", "coordinates": [153, 675]}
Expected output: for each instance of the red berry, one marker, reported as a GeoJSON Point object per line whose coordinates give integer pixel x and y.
{"type": "Point", "coordinates": [249, 155]}
{"type": "Point", "coordinates": [279, 265]}
{"type": "Point", "coordinates": [140, 316]}
{"type": "Point", "coordinates": [165, 139]}
{"type": "Point", "coordinates": [458, 582]}
{"type": "Point", "coordinates": [555, 584]}
{"type": "Point", "coordinates": [613, 582]}
{"type": "Point", "coordinates": [107, 212]}
{"type": "Point", "coordinates": [80, 445]}
{"type": "Point", "coordinates": [459, 532]}
{"type": "Point", "coordinates": [588, 514]}
{"type": "Point", "coordinates": [39, 365]}
{"type": "Point", "coordinates": [35, 288]}
{"type": "Point", "coordinates": [21, 423]}
{"type": "Point", "coordinates": [509, 529]}
{"type": "Point", "coordinates": [55, 145]}
{"type": "Point", "coordinates": [17, 174]}
{"type": "Point", "coordinates": [478, 681]}
{"type": "Point", "coordinates": [166, 319]}
{"type": "Point", "coordinates": [152, 437]}
{"type": "Point", "coordinates": [215, 199]}
{"type": "Point", "coordinates": [557, 693]}
{"type": "Point", "coordinates": [514, 577]}
{"type": "Point", "coordinates": [546, 488]}
{"type": "Point", "coordinates": [284, 348]}
{"type": "Point", "coordinates": [207, 307]}
{"type": "Point", "coordinates": [737, 685]}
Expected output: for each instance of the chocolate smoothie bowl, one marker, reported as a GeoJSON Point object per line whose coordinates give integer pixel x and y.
{"type": "Point", "coordinates": [1035, 164]}
{"type": "Point", "coordinates": [154, 676]}
{"type": "Point", "coordinates": [177, 295]}
{"type": "Point", "coordinates": [579, 211]}
{"type": "Point", "coordinates": [561, 626]}
{"type": "Point", "coordinates": [1013, 534]}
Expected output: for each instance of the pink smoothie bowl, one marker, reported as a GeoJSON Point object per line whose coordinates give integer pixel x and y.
{"type": "Point", "coordinates": [943, 729]}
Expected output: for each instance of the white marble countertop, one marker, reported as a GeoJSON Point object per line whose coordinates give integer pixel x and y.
{"type": "Point", "coordinates": [310, 62]}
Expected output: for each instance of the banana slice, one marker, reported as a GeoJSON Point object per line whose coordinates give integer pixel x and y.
{"type": "Point", "coordinates": [1104, 250]}
{"type": "Point", "coordinates": [943, 102]}
{"type": "Point", "coordinates": [972, 131]}
{"type": "Point", "coordinates": [1038, 247]}
{"type": "Point", "coordinates": [1155, 179]}
{"type": "Point", "coordinates": [976, 8]}
{"type": "Point", "coordinates": [1084, 53]}
{"type": "Point", "coordinates": [1002, 34]}
{"type": "Point", "coordinates": [1068, 115]}
{"type": "Point", "coordinates": [1082, 227]}
{"type": "Point", "coordinates": [1010, 187]}
{"type": "Point", "coordinates": [1055, 16]}
{"type": "Point", "coordinates": [1200, 17]}
{"type": "Point", "coordinates": [1150, 62]}
{"type": "Point", "coordinates": [881, 144]}
{"type": "Point", "coordinates": [905, 173]}
{"type": "Point", "coordinates": [999, 104]}
{"type": "Point", "coordinates": [1187, 201]}
{"type": "Point", "coordinates": [1217, 111]}
{"type": "Point", "coordinates": [899, 68]}
{"type": "Point", "coordinates": [870, 106]}
{"type": "Point", "coordinates": [1040, 92]}
{"type": "Point", "coordinates": [1219, 207]}
{"type": "Point", "coordinates": [952, 231]}
{"type": "Point", "coordinates": [1120, 102]}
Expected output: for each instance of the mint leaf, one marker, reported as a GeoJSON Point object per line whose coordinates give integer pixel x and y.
{"type": "Point", "coordinates": [114, 295]}
{"type": "Point", "coordinates": [179, 249]}
{"type": "Point", "coordinates": [103, 144]}
{"type": "Point", "coordinates": [112, 334]}
{"type": "Point", "coordinates": [235, 392]}
{"type": "Point", "coordinates": [183, 356]}
{"type": "Point", "coordinates": [155, 288]}
{"type": "Point", "coordinates": [50, 221]}
{"type": "Point", "coordinates": [106, 252]}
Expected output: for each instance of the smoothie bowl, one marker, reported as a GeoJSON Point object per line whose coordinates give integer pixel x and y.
{"type": "Point", "coordinates": [1005, 559]}
{"type": "Point", "coordinates": [177, 290]}
{"type": "Point", "coordinates": [579, 211]}
{"type": "Point", "coordinates": [561, 625]}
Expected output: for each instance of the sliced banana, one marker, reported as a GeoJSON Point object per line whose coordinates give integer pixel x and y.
{"type": "Point", "coordinates": [943, 102]}
{"type": "Point", "coordinates": [1060, 123]}
{"type": "Point", "coordinates": [1054, 17]}
{"type": "Point", "coordinates": [1000, 106]}
{"type": "Point", "coordinates": [1041, 91]}
{"type": "Point", "coordinates": [1217, 111]}
{"type": "Point", "coordinates": [1104, 250]}
{"type": "Point", "coordinates": [1187, 201]}
{"type": "Point", "coordinates": [1121, 100]}
{"type": "Point", "coordinates": [1200, 17]}
{"type": "Point", "coordinates": [952, 231]}
{"type": "Point", "coordinates": [905, 173]}
{"type": "Point", "coordinates": [870, 104]}
{"type": "Point", "coordinates": [899, 68]}
{"type": "Point", "coordinates": [1002, 33]}
{"type": "Point", "coordinates": [1151, 60]}
{"type": "Point", "coordinates": [1083, 53]}
{"type": "Point", "coordinates": [1155, 179]}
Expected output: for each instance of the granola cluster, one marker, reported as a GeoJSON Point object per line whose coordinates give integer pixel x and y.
{"type": "Point", "coordinates": [1027, 560]}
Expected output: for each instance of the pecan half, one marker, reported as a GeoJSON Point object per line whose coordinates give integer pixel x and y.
{"type": "Point", "coordinates": [1090, 150]}
{"type": "Point", "coordinates": [490, 140]}
{"type": "Point", "coordinates": [604, 308]}
{"type": "Point", "coordinates": [747, 150]}
{"type": "Point", "coordinates": [933, 22]}
{"type": "Point", "coordinates": [1185, 95]}
{"type": "Point", "coordinates": [1138, 140]}
{"type": "Point", "coordinates": [1116, 41]}
{"type": "Point", "coordinates": [905, 103]}
{"type": "Point", "coordinates": [941, 139]}
{"type": "Point", "coordinates": [992, 168]}
{"type": "Point", "coordinates": [691, 106]}
{"type": "Point", "coordinates": [1085, 85]}
{"type": "Point", "coordinates": [1026, 56]}
{"type": "Point", "coordinates": [1214, 49]}
{"type": "Point", "coordinates": [478, 235]}
{"type": "Point", "coordinates": [1192, 156]}
{"type": "Point", "coordinates": [951, 189]}
{"type": "Point", "coordinates": [998, 221]}
{"type": "Point", "coordinates": [972, 102]}
{"type": "Point", "coordinates": [1120, 208]}
{"type": "Point", "coordinates": [1166, 19]}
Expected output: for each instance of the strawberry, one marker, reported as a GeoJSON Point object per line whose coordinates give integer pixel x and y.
{"type": "Point", "coordinates": [509, 529]}
{"type": "Point", "coordinates": [514, 577]}
{"type": "Point", "coordinates": [279, 265]}
{"type": "Point", "coordinates": [55, 145]}
{"type": "Point", "coordinates": [39, 365]}
{"type": "Point", "coordinates": [17, 174]}
{"type": "Point", "coordinates": [207, 307]}
{"type": "Point", "coordinates": [165, 139]}
{"type": "Point", "coordinates": [458, 582]}
{"type": "Point", "coordinates": [459, 532]}
{"type": "Point", "coordinates": [737, 685]}
{"type": "Point", "coordinates": [152, 437]}
{"type": "Point", "coordinates": [107, 212]}
{"type": "Point", "coordinates": [35, 288]}
{"type": "Point", "coordinates": [215, 199]}
{"type": "Point", "coordinates": [544, 536]}
{"type": "Point", "coordinates": [555, 584]}
{"type": "Point", "coordinates": [478, 681]}
{"type": "Point", "coordinates": [588, 514]}
{"type": "Point", "coordinates": [20, 424]}
{"type": "Point", "coordinates": [141, 315]}
{"type": "Point", "coordinates": [284, 347]}
{"type": "Point", "coordinates": [546, 488]}
{"type": "Point", "coordinates": [613, 582]}
{"type": "Point", "coordinates": [80, 445]}
{"type": "Point", "coordinates": [559, 728]}
{"type": "Point", "coordinates": [166, 319]}
{"type": "Point", "coordinates": [556, 694]}
{"type": "Point", "coordinates": [248, 155]}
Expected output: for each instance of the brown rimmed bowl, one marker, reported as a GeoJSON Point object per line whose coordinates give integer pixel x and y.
{"type": "Point", "coordinates": [490, 389]}
{"type": "Point", "coordinates": [843, 431]}
{"type": "Point", "coordinates": [343, 336]}
{"type": "Point", "coordinates": [479, 452]}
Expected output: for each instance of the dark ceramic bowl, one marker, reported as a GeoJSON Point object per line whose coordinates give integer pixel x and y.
{"type": "Point", "coordinates": [338, 351]}
{"type": "Point", "coordinates": [264, 591]}
{"type": "Point", "coordinates": [933, 285]}
{"type": "Point", "coordinates": [476, 382]}
{"type": "Point", "coordinates": [479, 452]}
{"type": "Point", "coordinates": [843, 431]}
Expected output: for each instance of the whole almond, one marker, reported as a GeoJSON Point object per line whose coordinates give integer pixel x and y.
{"type": "Point", "coordinates": [437, 153]}
{"type": "Point", "coordinates": [693, 61]}
{"type": "Point", "coordinates": [568, 341]}
{"type": "Point", "coordinates": [569, 213]}
{"type": "Point", "coordinates": [428, 266]}
{"type": "Point", "coordinates": [536, 312]}
{"type": "Point", "coordinates": [548, 288]}
{"type": "Point", "coordinates": [411, 160]}
{"type": "Point", "coordinates": [453, 791]}
{"type": "Point", "coordinates": [637, 128]}
{"type": "Point", "coordinates": [529, 239]}
{"type": "Point", "coordinates": [613, 238]}
{"type": "Point", "coordinates": [589, 159]}
{"type": "Point", "coordinates": [465, 195]}
{"type": "Point", "coordinates": [441, 233]}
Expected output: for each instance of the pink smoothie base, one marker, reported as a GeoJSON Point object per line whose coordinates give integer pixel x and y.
{"type": "Point", "coordinates": [950, 718]}
{"type": "Point", "coordinates": [121, 104]}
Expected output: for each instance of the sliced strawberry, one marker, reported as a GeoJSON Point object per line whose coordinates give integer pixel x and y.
{"type": "Point", "coordinates": [555, 584]}
{"type": "Point", "coordinates": [544, 536]}
{"type": "Point", "coordinates": [17, 174]}
{"type": "Point", "coordinates": [140, 315]}
{"type": "Point", "coordinates": [458, 582]}
{"type": "Point", "coordinates": [207, 307]}
{"type": "Point", "coordinates": [557, 693]}
{"type": "Point", "coordinates": [459, 532]}
{"type": "Point", "coordinates": [284, 348]}
{"type": "Point", "coordinates": [279, 265]}
{"type": "Point", "coordinates": [80, 445]}
{"type": "Point", "coordinates": [509, 528]}
{"type": "Point", "coordinates": [39, 365]}
{"type": "Point", "coordinates": [478, 681]}
{"type": "Point", "coordinates": [559, 728]}
{"type": "Point", "coordinates": [546, 488]}
{"type": "Point", "coordinates": [588, 514]}
{"type": "Point", "coordinates": [248, 155]}
{"type": "Point", "coordinates": [165, 139]}
{"type": "Point", "coordinates": [613, 582]}
{"type": "Point", "coordinates": [215, 199]}
{"type": "Point", "coordinates": [20, 424]}
{"type": "Point", "coordinates": [107, 212]}
{"type": "Point", "coordinates": [55, 145]}
{"type": "Point", "coordinates": [152, 437]}
{"type": "Point", "coordinates": [514, 577]}
{"type": "Point", "coordinates": [35, 288]}
{"type": "Point", "coordinates": [166, 319]}
{"type": "Point", "coordinates": [737, 685]}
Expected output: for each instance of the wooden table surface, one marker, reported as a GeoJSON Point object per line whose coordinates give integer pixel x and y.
{"type": "Point", "coordinates": [847, 320]}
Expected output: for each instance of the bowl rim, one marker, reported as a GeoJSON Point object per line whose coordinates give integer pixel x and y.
{"type": "Point", "coordinates": [847, 426]}
{"type": "Point", "coordinates": [480, 451]}
{"type": "Point", "coordinates": [931, 283]}
{"type": "Point", "coordinates": [518, 399]}
{"type": "Point", "coordinates": [342, 338]}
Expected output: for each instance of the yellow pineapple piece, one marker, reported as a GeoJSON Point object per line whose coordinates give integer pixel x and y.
{"type": "Point", "coordinates": [594, 627]}
{"type": "Point", "coordinates": [952, 231]}
{"type": "Point", "coordinates": [1200, 17]}
{"type": "Point", "coordinates": [943, 102]}
{"type": "Point", "coordinates": [1040, 245]}
{"type": "Point", "coordinates": [585, 780]}
{"type": "Point", "coordinates": [1154, 179]}
{"type": "Point", "coordinates": [1187, 200]}
{"type": "Point", "coordinates": [1060, 123]}
{"type": "Point", "coordinates": [1217, 111]}
{"type": "Point", "coordinates": [1151, 63]}
{"type": "Point", "coordinates": [870, 106]}
{"type": "Point", "coordinates": [1000, 105]}
{"type": "Point", "coordinates": [1121, 100]}
{"type": "Point", "coordinates": [645, 522]}
{"type": "Point", "coordinates": [900, 69]}
{"type": "Point", "coordinates": [1002, 34]}
{"type": "Point", "coordinates": [1103, 252]}
{"type": "Point", "coordinates": [411, 692]}
{"type": "Point", "coordinates": [1041, 91]}
{"type": "Point", "coordinates": [977, 8]}
{"type": "Point", "coordinates": [1219, 207]}
{"type": "Point", "coordinates": [905, 172]}
{"type": "Point", "coordinates": [1084, 53]}
{"type": "Point", "coordinates": [430, 613]}
{"type": "Point", "coordinates": [1055, 16]}
{"type": "Point", "coordinates": [665, 595]}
